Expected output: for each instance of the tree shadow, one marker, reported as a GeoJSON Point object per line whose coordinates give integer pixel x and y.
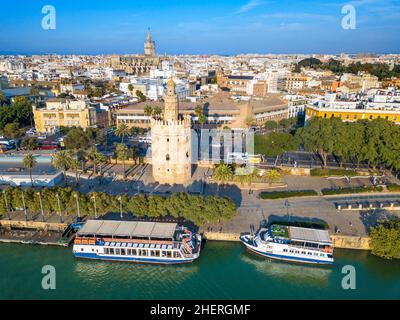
{"type": "Point", "coordinates": [371, 218]}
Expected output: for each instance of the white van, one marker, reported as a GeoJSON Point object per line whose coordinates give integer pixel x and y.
{"type": "Point", "coordinates": [237, 157]}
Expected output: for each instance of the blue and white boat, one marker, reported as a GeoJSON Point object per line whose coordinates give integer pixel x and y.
{"type": "Point", "coordinates": [137, 241]}
{"type": "Point", "coordinates": [289, 243]}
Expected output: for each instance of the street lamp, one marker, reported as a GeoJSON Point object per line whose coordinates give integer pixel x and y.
{"type": "Point", "coordinates": [59, 207]}
{"type": "Point", "coordinates": [120, 206]}
{"type": "Point", "coordinates": [77, 204]}
{"type": "Point", "coordinates": [287, 205]}
{"type": "Point", "coordinates": [41, 204]}
{"type": "Point", "coordinates": [23, 202]}
{"type": "Point", "coordinates": [95, 209]}
{"type": "Point", "coordinates": [6, 202]}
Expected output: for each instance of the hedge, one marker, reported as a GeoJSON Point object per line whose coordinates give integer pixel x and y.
{"type": "Point", "coordinates": [304, 224]}
{"type": "Point", "coordinates": [332, 172]}
{"type": "Point", "coordinates": [287, 194]}
{"type": "Point", "coordinates": [352, 190]}
{"type": "Point", "coordinates": [393, 187]}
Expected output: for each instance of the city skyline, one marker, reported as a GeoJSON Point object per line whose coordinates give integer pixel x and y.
{"type": "Point", "coordinates": [224, 28]}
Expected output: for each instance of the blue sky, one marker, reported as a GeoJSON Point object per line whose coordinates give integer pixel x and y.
{"type": "Point", "coordinates": [196, 27]}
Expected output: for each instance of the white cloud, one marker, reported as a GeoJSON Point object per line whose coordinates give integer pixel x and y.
{"type": "Point", "coordinates": [249, 6]}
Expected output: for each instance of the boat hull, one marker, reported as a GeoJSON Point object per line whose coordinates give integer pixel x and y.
{"type": "Point", "coordinates": [94, 256]}
{"type": "Point", "coordinates": [281, 257]}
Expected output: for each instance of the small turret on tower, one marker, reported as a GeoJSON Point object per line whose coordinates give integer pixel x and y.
{"type": "Point", "coordinates": [171, 108]}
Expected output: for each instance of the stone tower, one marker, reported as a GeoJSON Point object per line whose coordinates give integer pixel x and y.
{"type": "Point", "coordinates": [171, 143]}
{"type": "Point", "coordinates": [149, 46]}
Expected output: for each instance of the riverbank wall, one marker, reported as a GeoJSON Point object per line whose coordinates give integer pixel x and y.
{"type": "Point", "coordinates": [339, 241]}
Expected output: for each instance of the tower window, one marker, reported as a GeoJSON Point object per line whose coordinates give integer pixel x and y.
{"type": "Point", "coordinates": [167, 139]}
{"type": "Point", "coordinates": [187, 154]}
{"type": "Point", "coordinates": [167, 157]}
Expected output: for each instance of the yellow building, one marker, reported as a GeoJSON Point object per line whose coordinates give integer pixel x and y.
{"type": "Point", "coordinates": [353, 114]}
{"type": "Point", "coordinates": [64, 112]}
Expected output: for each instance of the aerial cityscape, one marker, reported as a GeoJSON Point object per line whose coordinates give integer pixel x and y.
{"type": "Point", "coordinates": [236, 154]}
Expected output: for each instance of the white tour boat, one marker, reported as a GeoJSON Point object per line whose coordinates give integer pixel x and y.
{"type": "Point", "coordinates": [136, 241]}
{"type": "Point", "coordinates": [291, 243]}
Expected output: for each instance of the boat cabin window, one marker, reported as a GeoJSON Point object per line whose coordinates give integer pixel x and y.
{"type": "Point", "coordinates": [134, 252]}
{"type": "Point", "coordinates": [177, 254]}
{"type": "Point", "coordinates": [123, 252]}
{"type": "Point", "coordinates": [311, 245]}
{"type": "Point", "coordinates": [129, 252]}
{"type": "Point", "coordinates": [111, 250]}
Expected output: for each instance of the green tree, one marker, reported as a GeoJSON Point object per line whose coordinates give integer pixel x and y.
{"type": "Point", "coordinates": [30, 163]}
{"type": "Point", "coordinates": [223, 173]}
{"type": "Point", "coordinates": [148, 111]}
{"type": "Point", "coordinates": [75, 166]}
{"type": "Point", "coordinates": [319, 136]}
{"type": "Point", "coordinates": [141, 96]}
{"type": "Point", "coordinates": [157, 111]}
{"type": "Point", "coordinates": [275, 143]}
{"type": "Point", "coordinates": [13, 131]}
{"type": "Point", "coordinates": [122, 154]}
{"type": "Point", "coordinates": [385, 239]}
{"type": "Point", "coordinates": [93, 155]}
{"type": "Point", "coordinates": [62, 160]}
{"type": "Point", "coordinates": [29, 143]}
{"type": "Point", "coordinates": [272, 176]}
{"type": "Point", "coordinates": [130, 87]}
{"type": "Point", "coordinates": [77, 139]}
{"type": "Point", "coordinates": [122, 131]}
{"type": "Point", "coordinates": [287, 123]}
{"type": "Point", "coordinates": [270, 125]}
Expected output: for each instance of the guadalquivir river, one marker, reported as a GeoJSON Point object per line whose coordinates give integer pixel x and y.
{"type": "Point", "coordinates": [224, 271]}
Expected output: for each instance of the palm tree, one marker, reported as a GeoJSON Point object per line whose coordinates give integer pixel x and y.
{"type": "Point", "coordinates": [130, 88]}
{"type": "Point", "coordinates": [122, 131]}
{"type": "Point", "coordinates": [122, 155]}
{"type": "Point", "coordinates": [272, 176]}
{"type": "Point", "coordinates": [93, 155]}
{"type": "Point", "coordinates": [62, 161]}
{"type": "Point", "coordinates": [99, 159]}
{"type": "Point", "coordinates": [157, 112]}
{"type": "Point", "coordinates": [30, 162]}
{"type": "Point", "coordinates": [223, 173]}
{"type": "Point", "coordinates": [81, 157]}
{"type": "Point", "coordinates": [75, 165]}
{"type": "Point", "coordinates": [134, 153]}
{"type": "Point", "coordinates": [148, 111]}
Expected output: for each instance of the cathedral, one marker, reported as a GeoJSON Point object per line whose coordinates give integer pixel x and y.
{"type": "Point", "coordinates": [171, 142]}
{"type": "Point", "coordinates": [137, 64]}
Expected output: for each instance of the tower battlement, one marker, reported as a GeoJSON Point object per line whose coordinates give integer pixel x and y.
{"type": "Point", "coordinates": [185, 122]}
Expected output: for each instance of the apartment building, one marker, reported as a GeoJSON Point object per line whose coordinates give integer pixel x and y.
{"type": "Point", "coordinates": [65, 113]}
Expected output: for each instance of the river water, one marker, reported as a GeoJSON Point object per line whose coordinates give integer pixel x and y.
{"type": "Point", "coordinates": [224, 271]}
